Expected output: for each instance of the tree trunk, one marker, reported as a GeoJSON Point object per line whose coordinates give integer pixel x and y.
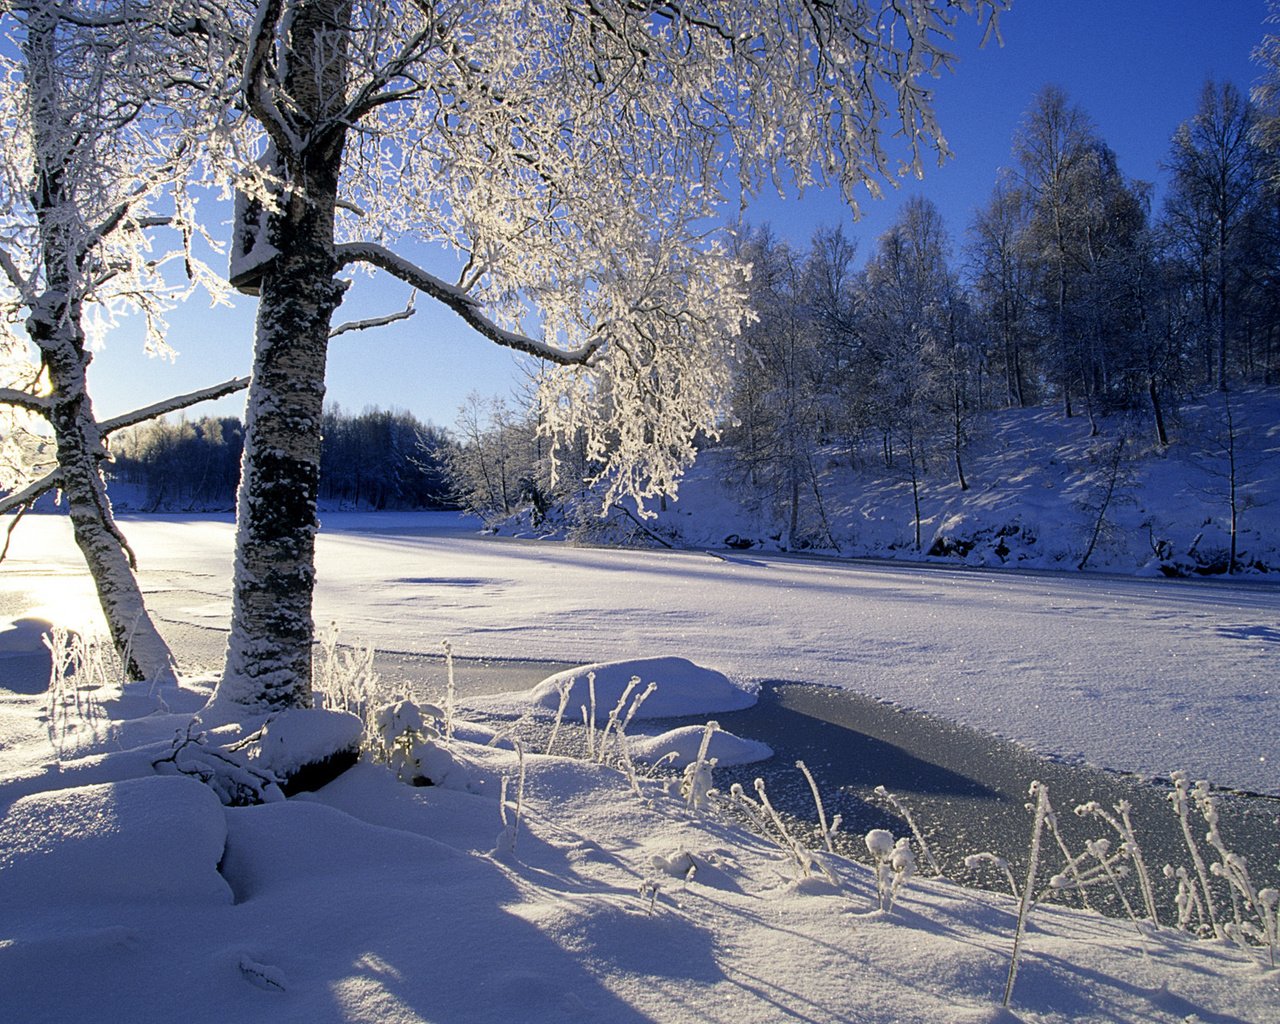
{"type": "Point", "coordinates": [1157, 410]}
{"type": "Point", "coordinates": [269, 651]}
{"type": "Point", "coordinates": [142, 650]}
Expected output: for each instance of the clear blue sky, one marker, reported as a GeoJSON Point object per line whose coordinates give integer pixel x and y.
{"type": "Point", "coordinates": [1136, 66]}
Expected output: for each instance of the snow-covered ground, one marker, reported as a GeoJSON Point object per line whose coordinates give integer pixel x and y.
{"type": "Point", "coordinates": [135, 897]}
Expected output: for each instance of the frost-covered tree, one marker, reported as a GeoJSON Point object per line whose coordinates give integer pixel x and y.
{"type": "Point", "coordinates": [1054, 148]}
{"type": "Point", "coordinates": [569, 157]}
{"type": "Point", "coordinates": [90, 169]}
{"type": "Point", "coordinates": [1214, 192]}
{"type": "Point", "coordinates": [495, 464]}
{"type": "Point", "coordinates": [779, 394]}
{"type": "Point", "coordinates": [1001, 271]}
{"type": "Point", "coordinates": [910, 297]}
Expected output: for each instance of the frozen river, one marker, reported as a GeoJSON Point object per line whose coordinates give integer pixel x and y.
{"type": "Point", "coordinates": [1136, 675]}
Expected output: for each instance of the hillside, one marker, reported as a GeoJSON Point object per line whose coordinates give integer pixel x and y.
{"type": "Point", "coordinates": [1037, 483]}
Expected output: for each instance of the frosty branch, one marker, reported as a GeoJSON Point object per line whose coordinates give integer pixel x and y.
{"type": "Point", "coordinates": [463, 304]}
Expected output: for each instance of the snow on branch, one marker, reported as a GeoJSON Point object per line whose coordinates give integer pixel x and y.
{"type": "Point", "coordinates": [11, 271]}
{"type": "Point", "coordinates": [461, 303]}
{"type": "Point", "coordinates": [30, 493]}
{"type": "Point", "coordinates": [376, 321]}
{"type": "Point", "coordinates": [25, 400]}
{"type": "Point", "coordinates": [169, 405]}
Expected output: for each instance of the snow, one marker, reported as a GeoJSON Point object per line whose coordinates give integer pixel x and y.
{"type": "Point", "coordinates": [679, 747]}
{"type": "Point", "coordinates": [146, 840]}
{"type": "Point", "coordinates": [132, 896]}
{"type": "Point", "coordinates": [682, 688]}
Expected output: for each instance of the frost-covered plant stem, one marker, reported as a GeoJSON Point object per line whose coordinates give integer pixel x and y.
{"type": "Point", "coordinates": [511, 824]}
{"type": "Point", "coordinates": [1181, 800]}
{"type": "Point", "coordinates": [450, 692]}
{"type": "Point", "coordinates": [1123, 826]}
{"type": "Point", "coordinates": [902, 809]}
{"type": "Point", "coordinates": [800, 854]}
{"type": "Point", "coordinates": [697, 784]}
{"type": "Point", "coordinates": [614, 718]}
{"type": "Point", "coordinates": [1040, 793]}
{"type": "Point", "coordinates": [565, 689]}
{"type": "Point", "coordinates": [827, 830]}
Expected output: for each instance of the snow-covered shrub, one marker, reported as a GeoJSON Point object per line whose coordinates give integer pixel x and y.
{"type": "Point", "coordinates": [410, 738]}
{"type": "Point", "coordinates": [77, 669]}
{"type": "Point", "coordinates": [343, 679]}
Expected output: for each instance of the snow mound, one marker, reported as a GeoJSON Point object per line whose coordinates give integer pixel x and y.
{"type": "Point", "coordinates": [155, 840]}
{"type": "Point", "coordinates": [728, 750]}
{"type": "Point", "coordinates": [683, 688]}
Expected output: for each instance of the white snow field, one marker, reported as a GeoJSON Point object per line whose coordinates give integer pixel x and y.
{"type": "Point", "coordinates": [131, 896]}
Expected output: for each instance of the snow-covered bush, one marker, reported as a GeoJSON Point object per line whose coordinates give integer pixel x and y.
{"type": "Point", "coordinates": [343, 679]}
{"type": "Point", "coordinates": [410, 738]}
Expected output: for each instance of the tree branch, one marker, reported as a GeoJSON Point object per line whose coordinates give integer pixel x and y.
{"type": "Point", "coordinates": [462, 304]}
{"type": "Point", "coordinates": [25, 400]}
{"type": "Point", "coordinates": [169, 405]}
{"type": "Point", "coordinates": [31, 492]}
{"type": "Point", "coordinates": [377, 321]}
{"type": "Point", "coordinates": [20, 284]}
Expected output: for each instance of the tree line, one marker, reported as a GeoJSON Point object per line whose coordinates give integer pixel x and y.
{"type": "Point", "coordinates": [377, 459]}
{"type": "Point", "coordinates": [1070, 285]}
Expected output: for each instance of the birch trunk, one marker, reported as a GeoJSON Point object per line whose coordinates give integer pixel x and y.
{"type": "Point", "coordinates": [268, 663]}
{"type": "Point", "coordinates": [142, 650]}
{"type": "Point", "coordinates": [269, 652]}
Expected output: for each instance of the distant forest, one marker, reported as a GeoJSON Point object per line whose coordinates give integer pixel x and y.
{"type": "Point", "coordinates": [375, 459]}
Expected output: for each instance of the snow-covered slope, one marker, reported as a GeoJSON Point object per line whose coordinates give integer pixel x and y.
{"type": "Point", "coordinates": [1036, 484]}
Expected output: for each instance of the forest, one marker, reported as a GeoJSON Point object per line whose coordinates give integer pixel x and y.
{"type": "Point", "coordinates": [376, 459]}
{"type": "Point", "coordinates": [1070, 287]}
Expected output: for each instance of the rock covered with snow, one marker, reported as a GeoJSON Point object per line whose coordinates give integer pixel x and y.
{"type": "Point", "coordinates": [683, 688]}
{"type": "Point", "coordinates": [304, 748]}
{"type": "Point", "coordinates": [143, 840]}
{"type": "Point", "coordinates": [679, 747]}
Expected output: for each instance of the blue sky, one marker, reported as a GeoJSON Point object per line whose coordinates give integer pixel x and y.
{"type": "Point", "coordinates": [1136, 66]}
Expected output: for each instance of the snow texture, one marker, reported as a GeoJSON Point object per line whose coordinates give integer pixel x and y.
{"type": "Point", "coordinates": [683, 688]}
{"type": "Point", "coordinates": [679, 747]}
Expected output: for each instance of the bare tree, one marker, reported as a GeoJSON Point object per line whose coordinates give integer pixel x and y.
{"type": "Point", "coordinates": [1215, 188]}
{"type": "Point", "coordinates": [91, 171]}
